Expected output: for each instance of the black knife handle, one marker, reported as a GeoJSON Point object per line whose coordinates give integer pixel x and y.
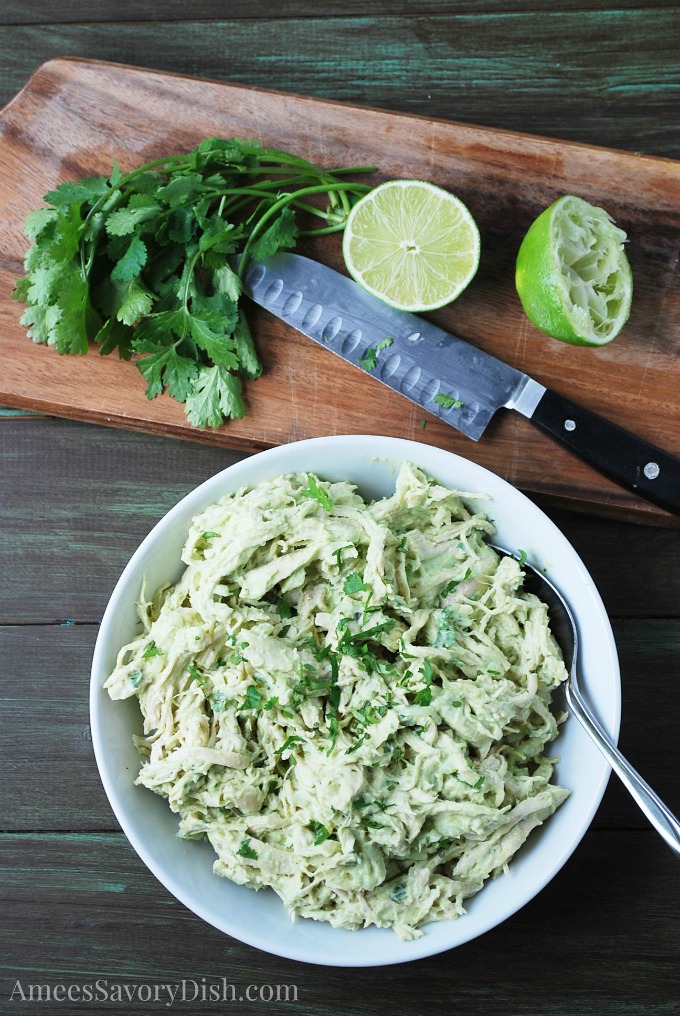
{"type": "Point", "coordinates": [630, 461]}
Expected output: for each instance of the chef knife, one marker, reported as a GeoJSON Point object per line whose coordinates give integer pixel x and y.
{"type": "Point", "coordinates": [447, 376]}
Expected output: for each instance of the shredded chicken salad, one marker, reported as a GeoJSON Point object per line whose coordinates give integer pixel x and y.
{"type": "Point", "coordinates": [351, 701]}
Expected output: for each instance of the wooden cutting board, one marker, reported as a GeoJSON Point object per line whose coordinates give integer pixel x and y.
{"type": "Point", "coordinates": [74, 117]}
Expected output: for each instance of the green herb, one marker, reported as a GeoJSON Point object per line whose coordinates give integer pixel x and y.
{"type": "Point", "coordinates": [456, 703]}
{"type": "Point", "coordinates": [398, 893]}
{"type": "Point", "coordinates": [316, 493]}
{"type": "Point", "coordinates": [135, 678]}
{"type": "Point", "coordinates": [362, 636]}
{"type": "Point", "coordinates": [447, 401]}
{"type": "Point", "coordinates": [446, 635]}
{"type": "Point", "coordinates": [270, 703]}
{"type": "Point", "coordinates": [354, 583]}
{"type": "Point", "coordinates": [369, 361]}
{"type": "Point", "coordinates": [253, 699]}
{"type": "Point", "coordinates": [338, 553]}
{"type": "Point", "coordinates": [424, 696]}
{"type": "Point", "coordinates": [289, 743]}
{"type": "Point", "coordinates": [284, 608]}
{"type": "Point", "coordinates": [196, 675]}
{"type": "Point", "coordinates": [450, 586]}
{"type": "Point", "coordinates": [139, 263]}
{"type": "Point", "coordinates": [245, 850]}
{"type": "Point", "coordinates": [357, 744]}
{"type": "Point", "coordinates": [367, 715]}
{"type": "Point", "coordinates": [522, 557]}
{"type": "Point", "coordinates": [151, 650]}
{"type": "Point", "coordinates": [320, 832]}
{"type": "Point", "coordinates": [334, 694]}
{"type": "Point", "coordinates": [220, 702]}
{"type": "Point", "coordinates": [209, 534]}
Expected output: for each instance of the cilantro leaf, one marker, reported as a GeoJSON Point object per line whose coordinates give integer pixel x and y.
{"type": "Point", "coordinates": [163, 367]}
{"type": "Point", "coordinates": [447, 401]}
{"type": "Point", "coordinates": [281, 233]}
{"type": "Point", "coordinates": [218, 345]}
{"type": "Point", "coordinates": [253, 699]}
{"type": "Point", "coordinates": [369, 361]}
{"type": "Point", "coordinates": [70, 331]}
{"type": "Point", "coordinates": [132, 261]}
{"type": "Point", "coordinates": [249, 361]}
{"type": "Point", "coordinates": [245, 850]}
{"type": "Point", "coordinates": [216, 396]}
{"type": "Point", "coordinates": [68, 193]}
{"type": "Point", "coordinates": [354, 583]}
{"type": "Point", "coordinates": [137, 262]}
{"type": "Point", "coordinates": [124, 221]}
{"type": "Point", "coordinates": [115, 335]}
{"type": "Point", "coordinates": [134, 302]}
{"type": "Point", "coordinates": [320, 831]}
{"type": "Point", "coordinates": [315, 492]}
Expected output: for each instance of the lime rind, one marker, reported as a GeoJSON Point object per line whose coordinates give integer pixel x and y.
{"type": "Point", "coordinates": [412, 244]}
{"type": "Point", "coordinates": [573, 277]}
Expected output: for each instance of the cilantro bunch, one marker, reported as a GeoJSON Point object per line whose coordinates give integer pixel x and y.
{"type": "Point", "coordinates": [140, 263]}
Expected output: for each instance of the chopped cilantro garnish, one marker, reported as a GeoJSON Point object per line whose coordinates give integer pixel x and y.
{"type": "Point", "coordinates": [135, 678]}
{"type": "Point", "coordinates": [289, 743]}
{"type": "Point", "coordinates": [357, 744]}
{"type": "Point", "coordinates": [320, 831]}
{"type": "Point", "coordinates": [448, 401]}
{"type": "Point", "coordinates": [151, 650]}
{"type": "Point", "coordinates": [245, 850]}
{"type": "Point", "coordinates": [369, 361]}
{"type": "Point", "coordinates": [354, 583]}
{"type": "Point", "coordinates": [220, 702]}
{"type": "Point", "coordinates": [195, 674]}
{"type": "Point", "coordinates": [253, 699]}
{"type": "Point", "coordinates": [315, 492]}
{"type": "Point", "coordinates": [450, 586]}
{"type": "Point", "coordinates": [423, 697]}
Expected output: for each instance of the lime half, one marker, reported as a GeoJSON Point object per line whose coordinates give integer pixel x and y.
{"type": "Point", "coordinates": [572, 273]}
{"type": "Point", "coordinates": [412, 244]}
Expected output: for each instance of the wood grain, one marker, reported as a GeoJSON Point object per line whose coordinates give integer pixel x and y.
{"type": "Point", "coordinates": [547, 959]}
{"type": "Point", "coordinates": [74, 117]}
{"type": "Point", "coordinates": [17, 12]}
{"type": "Point", "coordinates": [571, 74]}
{"type": "Point", "coordinates": [94, 494]}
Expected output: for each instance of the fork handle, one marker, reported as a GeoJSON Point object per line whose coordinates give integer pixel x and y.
{"type": "Point", "coordinates": [663, 820]}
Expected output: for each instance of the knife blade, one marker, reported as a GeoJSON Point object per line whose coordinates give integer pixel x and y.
{"type": "Point", "coordinates": [445, 374]}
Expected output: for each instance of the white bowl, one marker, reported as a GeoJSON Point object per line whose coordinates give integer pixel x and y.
{"type": "Point", "coordinates": [259, 919]}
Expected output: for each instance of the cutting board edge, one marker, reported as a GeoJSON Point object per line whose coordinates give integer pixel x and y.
{"type": "Point", "coordinates": [539, 139]}
{"type": "Point", "coordinates": [596, 504]}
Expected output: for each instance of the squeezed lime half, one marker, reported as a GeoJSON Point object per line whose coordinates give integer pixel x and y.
{"type": "Point", "coordinates": [572, 273]}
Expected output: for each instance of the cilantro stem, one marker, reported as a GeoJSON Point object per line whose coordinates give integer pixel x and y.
{"type": "Point", "coordinates": [282, 202]}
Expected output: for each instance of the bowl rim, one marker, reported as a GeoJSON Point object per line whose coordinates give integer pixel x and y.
{"type": "Point", "coordinates": [234, 477]}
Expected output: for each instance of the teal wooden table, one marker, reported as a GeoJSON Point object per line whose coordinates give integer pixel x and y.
{"type": "Point", "coordinates": [79, 910]}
